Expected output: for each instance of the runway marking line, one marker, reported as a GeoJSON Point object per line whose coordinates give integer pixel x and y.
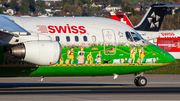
{"type": "Point", "coordinates": [41, 88]}
{"type": "Point", "coordinates": [86, 90]}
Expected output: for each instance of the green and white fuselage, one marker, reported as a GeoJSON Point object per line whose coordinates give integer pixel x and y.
{"type": "Point", "coordinates": [75, 46]}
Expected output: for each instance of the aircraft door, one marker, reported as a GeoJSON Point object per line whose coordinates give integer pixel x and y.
{"type": "Point", "coordinates": [109, 42]}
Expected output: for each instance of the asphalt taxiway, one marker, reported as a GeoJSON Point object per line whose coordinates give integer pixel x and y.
{"type": "Point", "coordinates": [159, 87]}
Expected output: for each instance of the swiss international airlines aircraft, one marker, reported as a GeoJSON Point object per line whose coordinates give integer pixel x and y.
{"type": "Point", "coordinates": [149, 26]}
{"type": "Point", "coordinates": [75, 46]}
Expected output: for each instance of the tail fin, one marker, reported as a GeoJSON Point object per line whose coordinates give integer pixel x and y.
{"type": "Point", "coordinates": [121, 16]}
{"type": "Point", "coordinates": [153, 18]}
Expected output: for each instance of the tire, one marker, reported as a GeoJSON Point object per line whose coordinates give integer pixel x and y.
{"type": "Point", "coordinates": [142, 81]}
{"type": "Point", "coordinates": [136, 81]}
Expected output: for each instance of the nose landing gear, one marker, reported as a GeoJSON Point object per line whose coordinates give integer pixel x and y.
{"type": "Point", "coordinates": [140, 80]}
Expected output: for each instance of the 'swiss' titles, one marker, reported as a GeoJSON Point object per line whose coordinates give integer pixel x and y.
{"type": "Point", "coordinates": [61, 29]}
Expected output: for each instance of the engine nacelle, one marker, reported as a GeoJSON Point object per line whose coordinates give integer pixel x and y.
{"type": "Point", "coordinates": [38, 52]}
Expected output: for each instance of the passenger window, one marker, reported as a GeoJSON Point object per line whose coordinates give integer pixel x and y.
{"type": "Point", "coordinates": [57, 38]}
{"type": "Point", "coordinates": [129, 37]}
{"type": "Point", "coordinates": [76, 38]}
{"type": "Point", "coordinates": [67, 38]}
{"type": "Point", "coordinates": [93, 38]}
{"type": "Point", "coordinates": [85, 38]}
{"type": "Point", "coordinates": [135, 37]}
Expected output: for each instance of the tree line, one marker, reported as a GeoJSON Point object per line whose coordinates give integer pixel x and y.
{"type": "Point", "coordinates": [25, 6]}
{"type": "Point", "coordinates": [82, 8]}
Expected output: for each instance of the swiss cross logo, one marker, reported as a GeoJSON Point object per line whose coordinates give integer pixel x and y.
{"type": "Point", "coordinates": [122, 20]}
{"type": "Point", "coordinates": [42, 28]}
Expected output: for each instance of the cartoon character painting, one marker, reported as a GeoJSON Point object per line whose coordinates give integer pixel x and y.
{"type": "Point", "coordinates": [133, 52]}
{"type": "Point", "coordinates": [151, 60]}
{"type": "Point", "coordinates": [141, 55]}
{"type": "Point", "coordinates": [98, 58]}
{"type": "Point", "coordinates": [89, 59]}
{"type": "Point", "coordinates": [70, 55]}
{"type": "Point", "coordinates": [61, 61]}
{"type": "Point", "coordinates": [119, 61]}
{"type": "Point", "coordinates": [80, 57]}
{"type": "Point", "coordinates": [106, 62]}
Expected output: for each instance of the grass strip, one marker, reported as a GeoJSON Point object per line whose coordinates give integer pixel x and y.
{"type": "Point", "coordinates": [173, 68]}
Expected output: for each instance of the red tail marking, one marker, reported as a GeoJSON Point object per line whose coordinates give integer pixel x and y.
{"type": "Point", "coordinates": [122, 17]}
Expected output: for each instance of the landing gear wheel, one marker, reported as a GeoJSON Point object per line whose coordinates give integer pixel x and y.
{"type": "Point", "coordinates": [136, 81]}
{"type": "Point", "coordinates": [140, 81]}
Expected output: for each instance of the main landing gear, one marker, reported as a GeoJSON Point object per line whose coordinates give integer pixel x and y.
{"type": "Point", "coordinates": [140, 80]}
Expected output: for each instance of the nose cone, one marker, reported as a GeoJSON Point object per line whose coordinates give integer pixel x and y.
{"type": "Point", "coordinates": [168, 58]}
{"type": "Point", "coordinates": [163, 56]}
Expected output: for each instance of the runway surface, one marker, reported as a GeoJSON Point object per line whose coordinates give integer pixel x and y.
{"type": "Point", "coordinates": [159, 87]}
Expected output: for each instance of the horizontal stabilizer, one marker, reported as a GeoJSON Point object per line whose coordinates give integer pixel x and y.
{"type": "Point", "coordinates": [165, 5]}
{"type": "Point", "coordinates": [122, 13]}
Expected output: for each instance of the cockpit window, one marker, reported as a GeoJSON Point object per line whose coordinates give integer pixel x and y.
{"type": "Point", "coordinates": [129, 37]}
{"type": "Point", "coordinates": [135, 37]}
{"type": "Point", "coordinates": [139, 35]}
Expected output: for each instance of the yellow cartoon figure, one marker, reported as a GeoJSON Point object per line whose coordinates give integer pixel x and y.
{"type": "Point", "coordinates": [89, 59]}
{"type": "Point", "coordinates": [60, 61]}
{"type": "Point", "coordinates": [133, 52]}
{"type": "Point", "coordinates": [70, 55]}
{"type": "Point", "coordinates": [141, 54]}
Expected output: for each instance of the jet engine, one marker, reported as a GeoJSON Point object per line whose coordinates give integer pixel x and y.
{"type": "Point", "coordinates": [38, 52]}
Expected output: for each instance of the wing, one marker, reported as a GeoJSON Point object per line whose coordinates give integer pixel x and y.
{"type": "Point", "coordinates": [9, 29]}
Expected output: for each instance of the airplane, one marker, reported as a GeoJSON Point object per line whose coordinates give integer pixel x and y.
{"type": "Point", "coordinates": [75, 46]}
{"type": "Point", "coordinates": [149, 27]}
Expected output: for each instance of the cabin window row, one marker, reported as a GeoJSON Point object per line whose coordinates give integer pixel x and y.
{"type": "Point", "coordinates": [76, 38]}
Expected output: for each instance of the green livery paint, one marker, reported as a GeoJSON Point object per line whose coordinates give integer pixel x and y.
{"type": "Point", "coordinates": [97, 60]}
{"type": "Point", "coordinates": [120, 52]}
